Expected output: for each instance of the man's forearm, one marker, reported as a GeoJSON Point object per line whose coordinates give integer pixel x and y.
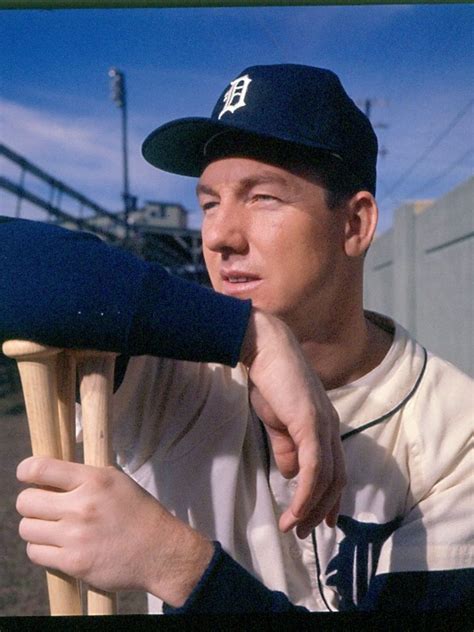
{"type": "Point", "coordinates": [69, 289]}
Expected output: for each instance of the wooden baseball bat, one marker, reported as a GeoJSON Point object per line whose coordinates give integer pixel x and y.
{"type": "Point", "coordinates": [49, 400]}
{"type": "Point", "coordinates": [96, 373]}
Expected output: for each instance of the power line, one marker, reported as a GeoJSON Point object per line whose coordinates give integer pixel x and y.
{"type": "Point", "coordinates": [430, 148]}
{"type": "Point", "coordinates": [367, 106]}
{"type": "Point", "coordinates": [444, 173]}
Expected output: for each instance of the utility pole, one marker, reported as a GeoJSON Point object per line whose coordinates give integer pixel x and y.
{"type": "Point", "coordinates": [119, 96]}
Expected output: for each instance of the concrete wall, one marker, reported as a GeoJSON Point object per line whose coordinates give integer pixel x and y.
{"type": "Point", "coordinates": [421, 273]}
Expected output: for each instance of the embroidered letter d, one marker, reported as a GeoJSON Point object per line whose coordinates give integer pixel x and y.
{"type": "Point", "coordinates": [234, 98]}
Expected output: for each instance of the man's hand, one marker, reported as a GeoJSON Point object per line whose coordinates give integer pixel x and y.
{"type": "Point", "coordinates": [301, 422]}
{"type": "Point", "coordinates": [100, 526]}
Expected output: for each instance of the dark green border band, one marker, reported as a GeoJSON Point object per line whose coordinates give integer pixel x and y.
{"type": "Point", "coordinates": [135, 4]}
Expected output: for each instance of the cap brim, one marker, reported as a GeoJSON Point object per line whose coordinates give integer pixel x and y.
{"type": "Point", "coordinates": [178, 146]}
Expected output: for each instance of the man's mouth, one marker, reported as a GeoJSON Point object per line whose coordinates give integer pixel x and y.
{"type": "Point", "coordinates": [242, 279]}
{"type": "Point", "coordinates": [236, 282]}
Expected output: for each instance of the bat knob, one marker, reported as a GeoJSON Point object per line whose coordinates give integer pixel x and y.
{"type": "Point", "coordinates": [27, 350]}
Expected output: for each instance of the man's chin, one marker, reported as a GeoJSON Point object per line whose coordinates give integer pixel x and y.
{"type": "Point", "coordinates": [258, 301]}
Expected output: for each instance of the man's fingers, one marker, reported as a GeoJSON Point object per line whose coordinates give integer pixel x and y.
{"type": "Point", "coordinates": [48, 472]}
{"type": "Point", "coordinates": [45, 555]}
{"type": "Point", "coordinates": [328, 505]}
{"type": "Point", "coordinates": [311, 483]}
{"type": "Point", "coordinates": [39, 503]}
{"type": "Point", "coordinates": [315, 460]}
{"type": "Point", "coordinates": [306, 497]}
{"type": "Point", "coordinates": [332, 516]}
{"type": "Point", "coordinates": [39, 532]}
{"type": "Point", "coordinates": [324, 497]}
{"type": "Point", "coordinates": [284, 452]}
{"type": "Point", "coordinates": [324, 506]}
{"type": "Point", "coordinates": [333, 500]}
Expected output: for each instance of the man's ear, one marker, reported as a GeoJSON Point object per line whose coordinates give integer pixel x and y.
{"type": "Point", "coordinates": [360, 224]}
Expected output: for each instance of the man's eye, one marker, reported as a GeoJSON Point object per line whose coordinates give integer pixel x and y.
{"type": "Point", "coordinates": [265, 197]}
{"type": "Point", "coordinates": [207, 206]}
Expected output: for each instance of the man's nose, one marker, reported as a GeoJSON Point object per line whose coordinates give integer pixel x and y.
{"type": "Point", "coordinates": [225, 230]}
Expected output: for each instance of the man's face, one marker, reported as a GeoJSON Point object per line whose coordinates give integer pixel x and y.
{"type": "Point", "coordinates": [268, 235]}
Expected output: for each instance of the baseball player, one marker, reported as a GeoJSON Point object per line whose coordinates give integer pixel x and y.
{"type": "Point", "coordinates": [287, 166]}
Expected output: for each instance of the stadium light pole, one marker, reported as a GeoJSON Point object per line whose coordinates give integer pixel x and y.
{"type": "Point", "coordinates": [119, 96]}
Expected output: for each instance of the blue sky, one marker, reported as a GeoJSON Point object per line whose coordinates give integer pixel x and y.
{"type": "Point", "coordinates": [416, 61]}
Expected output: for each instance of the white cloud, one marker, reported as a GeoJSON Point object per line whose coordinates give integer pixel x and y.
{"type": "Point", "coordinates": [71, 149]}
{"type": "Point", "coordinates": [85, 153]}
{"type": "Point", "coordinates": [31, 128]}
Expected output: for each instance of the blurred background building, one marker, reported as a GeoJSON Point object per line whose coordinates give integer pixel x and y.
{"type": "Point", "coordinates": [157, 231]}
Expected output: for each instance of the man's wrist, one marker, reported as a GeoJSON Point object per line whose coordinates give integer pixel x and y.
{"type": "Point", "coordinates": [226, 588]}
{"type": "Point", "coordinates": [176, 580]}
{"type": "Point", "coordinates": [262, 329]}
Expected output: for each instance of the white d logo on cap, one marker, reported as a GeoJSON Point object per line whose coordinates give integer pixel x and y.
{"type": "Point", "coordinates": [234, 98]}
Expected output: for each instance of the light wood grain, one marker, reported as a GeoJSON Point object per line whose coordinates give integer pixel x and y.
{"type": "Point", "coordinates": [38, 365]}
{"type": "Point", "coordinates": [96, 372]}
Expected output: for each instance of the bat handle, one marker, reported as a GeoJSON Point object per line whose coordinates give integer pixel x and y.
{"type": "Point", "coordinates": [38, 367]}
{"type": "Point", "coordinates": [96, 372]}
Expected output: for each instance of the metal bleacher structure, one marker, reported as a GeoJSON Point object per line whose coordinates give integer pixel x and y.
{"type": "Point", "coordinates": [179, 250]}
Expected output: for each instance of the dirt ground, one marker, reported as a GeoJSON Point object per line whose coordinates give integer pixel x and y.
{"type": "Point", "coordinates": [23, 585]}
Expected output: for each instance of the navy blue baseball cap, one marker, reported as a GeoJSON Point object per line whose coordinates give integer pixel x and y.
{"type": "Point", "coordinates": [302, 109]}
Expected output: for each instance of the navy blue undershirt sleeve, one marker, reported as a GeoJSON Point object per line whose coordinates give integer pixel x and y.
{"type": "Point", "coordinates": [227, 588]}
{"type": "Point", "coordinates": [70, 289]}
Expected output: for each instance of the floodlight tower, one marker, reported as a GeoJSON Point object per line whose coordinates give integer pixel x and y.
{"type": "Point", "coordinates": [119, 96]}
